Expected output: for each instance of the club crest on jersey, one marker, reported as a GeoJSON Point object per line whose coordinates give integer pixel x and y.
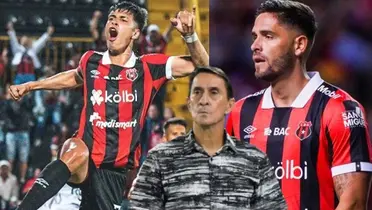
{"type": "Point", "coordinates": [131, 74]}
{"type": "Point", "coordinates": [304, 130]}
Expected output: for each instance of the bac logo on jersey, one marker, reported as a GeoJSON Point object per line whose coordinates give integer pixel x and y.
{"type": "Point", "coordinates": [132, 74]}
{"type": "Point", "coordinates": [304, 130]}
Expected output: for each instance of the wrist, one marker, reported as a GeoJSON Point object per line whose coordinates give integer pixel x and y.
{"type": "Point", "coordinates": [191, 38]}
{"type": "Point", "coordinates": [30, 86]}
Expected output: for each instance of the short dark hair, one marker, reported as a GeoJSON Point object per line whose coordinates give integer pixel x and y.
{"type": "Point", "coordinates": [139, 13]}
{"type": "Point", "coordinates": [215, 71]}
{"type": "Point", "coordinates": [174, 121]}
{"type": "Point", "coordinates": [292, 13]}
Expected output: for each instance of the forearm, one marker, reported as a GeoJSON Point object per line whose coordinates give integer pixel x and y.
{"type": "Point", "coordinates": [63, 80]}
{"type": "Point", "coordinates": [13, 41]}
{"type": "Point", "coordinates": [199, 54]}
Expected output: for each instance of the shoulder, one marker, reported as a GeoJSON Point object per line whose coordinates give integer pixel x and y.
{"type": "Point", "coordinates": [340, 102]}
{"type": "Point", "coordinates": [154, 58]}
{"type": "Point", "coordinates": [88, 54]}
{"type": "Point", "coordinates": [249, 150]}
{"type": "Point", "coordinates": [338, 98]}
{"type": "Point", "coordinates": [249, 100]}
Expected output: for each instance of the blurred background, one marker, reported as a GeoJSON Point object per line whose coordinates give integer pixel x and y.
{"type": "Point", "coordinates": [39, 38]}
{"type": "Point", "coordinates": [342, 52]}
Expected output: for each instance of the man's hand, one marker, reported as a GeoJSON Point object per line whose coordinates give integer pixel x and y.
{"type": "Point", "coordinates": [18, 91]}
{"type": "Point", "coordinates": [185, 22]}
{"type": "Point", "coordinates": [97, 14]}
{"type": "Point", "coordinates": [50, 30]}
{"type": "Point", "coordinates": [9, 26]}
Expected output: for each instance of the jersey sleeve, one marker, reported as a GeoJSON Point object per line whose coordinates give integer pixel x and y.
{"type": "Point", "coordinates": [160, 67]}
{"type": "Point", "coordinates": [81, 69]}
{"type": "Point", "coordinates": [230, 125]}
{"type": "Point", "coordinates": [349, 145]}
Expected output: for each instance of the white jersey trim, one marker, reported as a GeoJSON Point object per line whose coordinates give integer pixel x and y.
{"type": "Point", "coordinates": [351, 167]}
{"type": "Point", "coordinates": [302, 98]}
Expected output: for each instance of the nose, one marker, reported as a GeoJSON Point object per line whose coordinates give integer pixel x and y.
{"type": "Point", "coordinates": [204, 100]}
{"type": "Point", "coordinates": [114, 22]}
{"type": "Point", "coordinates": [256, 45]}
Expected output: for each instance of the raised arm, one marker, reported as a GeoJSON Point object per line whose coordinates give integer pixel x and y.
{"type": "Point", "coordinates": [39, 44]}
{"type": "Point", "coordinates": [14, 44]}
{"type": "Point", "coordinates": [184, 65]}
{"type": "Point", "coordinates": [63, 80]}
{"type": "Point", "coordinates": [94, 24]}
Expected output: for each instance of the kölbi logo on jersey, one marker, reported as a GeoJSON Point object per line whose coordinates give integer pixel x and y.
{"type": "Point", "coordinates": [124, 96]}
{"type": "Point", "coordinates": [289, 170]}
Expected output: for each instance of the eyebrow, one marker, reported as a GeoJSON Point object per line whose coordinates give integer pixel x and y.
{"type": "Point", "coordinates": [209, 88]}
{"type": "Point", "coordinates": [263, 32]}
{"type": "Point", "coordinates": [121, 16]}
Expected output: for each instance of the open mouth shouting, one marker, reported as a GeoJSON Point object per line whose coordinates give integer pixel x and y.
{"type": "Point", "coordinates": [113, 33]}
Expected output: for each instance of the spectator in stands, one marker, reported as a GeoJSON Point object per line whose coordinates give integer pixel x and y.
{"type": "Point", "coordinates": [173, 128]}
{"type": "Point", "coordinates": [3, 61]}
{"type": "Point", "coordinates": [25, 59]}
{"type": "Point", "coordinates": [18, 120]}
{"type": "Point", "coordinates": [154, 41]}
{"type": "Point", "coordinates": [2, 122]}
{"type": "Point", "coordinates": [47, 109]}
{"type": "Point", "coordinates": [150, 135]}
{"type": "Point", "coordinates": [99, 38]}
{"type": "Point", "coordinates": [168, 113]}
{"type": "Point", "coordinates": [8, 187]}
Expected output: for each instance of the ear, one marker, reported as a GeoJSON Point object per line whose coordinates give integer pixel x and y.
{"type": "Point", "coordinates": [163, 139]}
{"type": "Point", "coordinates": [189, 104]}
{"type": "Point", "coordinates": [136, 34]}
{"type": "Point", "coordinates": [230, 105]}
{"type": "Point", "coordinates": [300, 45]}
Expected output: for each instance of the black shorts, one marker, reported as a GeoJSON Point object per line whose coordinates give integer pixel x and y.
{"type": "Point", "coordinates": [104, 189]}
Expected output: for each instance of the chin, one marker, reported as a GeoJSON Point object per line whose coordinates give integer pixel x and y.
{"type": "Point", "coordinates": [266, 75]}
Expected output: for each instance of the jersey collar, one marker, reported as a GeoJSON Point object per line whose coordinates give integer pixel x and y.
{"type": "Point", "coordinates": [302, 98]}
{"type": "Point", "coordinates": [129, 64]}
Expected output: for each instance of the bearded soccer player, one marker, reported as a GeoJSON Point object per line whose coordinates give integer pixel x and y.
{"type": "Point", "coordinates": [314, 134]}
{"type": "Point", "coordinates": [118, 88]}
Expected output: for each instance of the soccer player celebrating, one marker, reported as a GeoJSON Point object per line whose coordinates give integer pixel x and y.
{"type": "Point", "coordinates": [118, 88]}
{"type": "Point", "coordinates": [314, 134]}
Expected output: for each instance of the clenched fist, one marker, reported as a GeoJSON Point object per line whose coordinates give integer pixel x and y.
{"type": "Point", "coordinates": [18, 91]}
{"type": "Point", "coordinates": [185, 22]}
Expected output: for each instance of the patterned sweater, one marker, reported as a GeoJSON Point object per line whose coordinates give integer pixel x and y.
{"type": "Point", "coordinates": [181, 175]}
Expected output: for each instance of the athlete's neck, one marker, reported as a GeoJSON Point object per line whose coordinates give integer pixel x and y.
{"type": "Point", "coordinates": [211, 138]}
{"type": "Point", "coordinates": [121, 58]}
{"type": "Point", "coordinates": [286, 89]}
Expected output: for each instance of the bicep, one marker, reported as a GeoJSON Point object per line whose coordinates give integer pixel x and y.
{"type": "Point", "coordinates": [78, 76]}
{"type": "Point", "coordinates": [182, 66]}
{"type": "Point", "coordinates": [352, 185]}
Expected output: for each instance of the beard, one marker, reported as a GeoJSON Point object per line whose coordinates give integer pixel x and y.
{"type": "Point", "coordinates": [279, 67]}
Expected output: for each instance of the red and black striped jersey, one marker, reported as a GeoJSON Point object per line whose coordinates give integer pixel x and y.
{"type": "Point", "coordinates": [323, 134]}
{"type": "Point", "coordinates": [116, 99]}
